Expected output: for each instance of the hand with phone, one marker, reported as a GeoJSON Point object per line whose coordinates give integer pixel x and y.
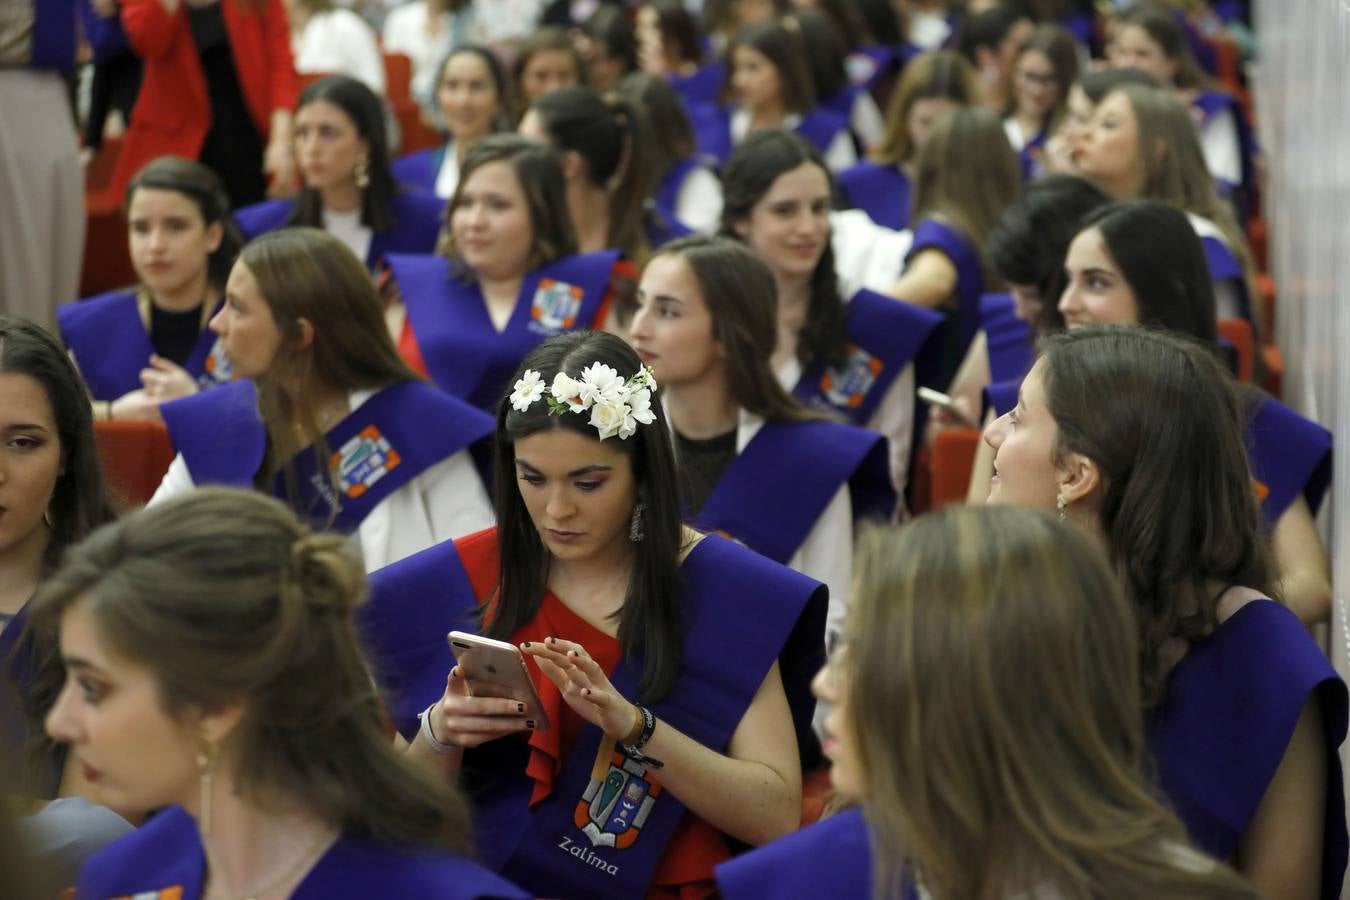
{"type": "Point", "coordinates": [584, 685]}
{"type": "Point", "coordinates": [488, 694]}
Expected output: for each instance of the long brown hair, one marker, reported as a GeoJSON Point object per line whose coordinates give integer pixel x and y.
{"type": "Point", "coordinates": [1159, 416]}
{"type": "Point", "coordinates": [999, 730]}
{"type": "Point", "coordinates": [1059, 47]}
{"type": "Point", "coordinates": [940, 74]}
{"type": "Point", "coordinates": [306, 273]}
{"type": "Point", "coordinates": [225, 597]}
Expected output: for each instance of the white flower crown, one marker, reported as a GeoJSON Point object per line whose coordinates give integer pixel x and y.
{"type": "Point", "coordinates": [616, 406]}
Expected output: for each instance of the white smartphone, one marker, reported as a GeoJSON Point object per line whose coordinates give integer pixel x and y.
{"type": "Point", "coordinates": [937, 398]}
{"type": "Point", "coordinates": [497, 669]}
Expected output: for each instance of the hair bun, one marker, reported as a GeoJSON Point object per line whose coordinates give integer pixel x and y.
{"type": "Point", "coordinates": [323, 574]}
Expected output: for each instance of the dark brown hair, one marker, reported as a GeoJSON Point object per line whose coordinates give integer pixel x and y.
{"type": "Point", "coordinates": [202, 186]}
{"type": "Point", "coordinates": [941, 74]}
{"type": "Point", "coordinates": [786, 52]}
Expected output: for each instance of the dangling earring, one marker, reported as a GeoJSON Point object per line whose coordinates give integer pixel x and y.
{"type": "Point", "coordinates": [635, 530]}
{"type": "Point", "coordinates": [47, 517]}
{"type": "Point", "coordinates": [1062, 505]}
{"type": "Point", "coordinates": [362, 171]}
{"type": "Point", "coordinates": [206, 771]}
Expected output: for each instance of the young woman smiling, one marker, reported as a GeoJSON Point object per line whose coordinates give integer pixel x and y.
{"type": "Point", "coordinates": [337, 425]}
{"type": "Point", "coordinates": [139, 348]}
{"type": "Point", "coordinates": [343, 156]}
{"type": "Point", "coordinates": [660, 693]}
{"type": "Point", "coordinates": [508, 276]}
{"type": "Point", "coordinates": [213, 674]}
{"type": "Point", "coordinates": [471, 93]}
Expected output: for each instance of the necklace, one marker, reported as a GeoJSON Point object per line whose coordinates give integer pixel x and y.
{"type": "Point", "coordinates": [303, 863]}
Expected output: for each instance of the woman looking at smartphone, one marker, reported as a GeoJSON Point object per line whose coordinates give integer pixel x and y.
{"type": "Point", "coordinates": [212, 673]}
{"type": "Point", "coordinates": [675, 714]}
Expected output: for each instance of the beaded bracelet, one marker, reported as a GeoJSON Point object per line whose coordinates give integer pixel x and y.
{"type": "Point", "coordinates": [634, 749]}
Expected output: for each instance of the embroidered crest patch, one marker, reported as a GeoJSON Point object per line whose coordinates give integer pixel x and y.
{"type": "Point", "coordinates": [217, 369]}
{"type": "Point", "coordinates": [617, 801]}
{"type": "Point", "coordinates": [846, 386]}
{"type": "Point", "coordinates": [168, 893]}
{"type": "Point", "coordinates": [363, 460]}
{"type": "Point", "coordinates": [555, 306]}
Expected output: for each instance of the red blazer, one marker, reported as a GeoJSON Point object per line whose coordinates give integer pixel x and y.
{"type": "Point", "coordinates": [173, 111]}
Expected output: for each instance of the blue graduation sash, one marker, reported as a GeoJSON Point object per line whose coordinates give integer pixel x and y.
{"type": "Point", "coordinates": [932, 234]}
{"type": "Point", "coordinates": [465, 354]}
{"type": "Point", "coordinates": [1001, 396]}
{"type": "Point", "coordinates": [1222, 729]}
{"type": "Point", "coordinates": [53, 35]}
{"type": "Point", "coordinates": [417, 223]}
{"type": "Point", "coordinates": [700, 87]}
{"type": "Point", "coordinates": [389, 440]}
{"type": "Point", "coordinates": [164, 860]}
{"type": "Point", "coordinates": [603, 829]}
{"type": "Point", "coordinates": [866, 65]}
{"type": "Point", "coordinates": [884, 335]}
{"type": "Point", "coordinates": [16, 674]}
{"type": "Point", "coordinates": [1224, 266]}
{"type": "Point", "coordinates": [382, 445]}
{"type": "Point", "coordinates": [661, 226]}
{"type": "Point", "coordinates": [111, 345]}
{"type": "Point", "coordinates": [773, 492]}
{"type": "Point", "coordinates": [1082, 25]}
{"type": "Point", "coordinates": [419, 170]}
{"type": "Point", "coordinates": [1289, 454]}
{"type": "Point", "coordinates": [830, 858]}
{"type": "Point", "coordinates": [820, 125]}
{"type": "Point", "coordinates": [667, 193]}
{"type": "Point", "coordinates": [1010, 341]}
{"type": "Point", "coordinates": [219, 433]}
{"type": "Point", "coordinates": [712, 129]}
{"type": "Point", "coordinates": [881, 190]}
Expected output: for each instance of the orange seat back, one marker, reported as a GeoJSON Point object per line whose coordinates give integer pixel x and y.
{"type": "Point", "coordinates": [1238, 332]}
{"type": "Point", "coordinates": [107, 261]}
{"type": "Point", "coordinates": [397, 77]}
{"type": "Point", "coordinates": [953, 456]}
{"type": "Point", "coordinates": [135, 457]}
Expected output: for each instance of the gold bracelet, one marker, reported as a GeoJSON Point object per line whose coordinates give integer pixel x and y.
{"type": "Point", "coordinates": [636, 731]}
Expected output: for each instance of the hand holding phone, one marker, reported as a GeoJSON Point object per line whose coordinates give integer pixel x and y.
{"type": "Point", "coordinates": [497, 669]}
{"type": "Point", "coordinates": [952, 408]}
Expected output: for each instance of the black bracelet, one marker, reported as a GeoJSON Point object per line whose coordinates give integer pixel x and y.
{"type": "Point", "coordinates": [634, 750]}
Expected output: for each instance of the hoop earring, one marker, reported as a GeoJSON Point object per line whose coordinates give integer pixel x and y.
{"type": "Point", "coordinates": [635, 530]}
{"type": "Point", "coordinates": [1061, 505]}
{"type": "Point", "coordinates": [363, 171]}
{"type": "Point", "coordinates": [206, 771]}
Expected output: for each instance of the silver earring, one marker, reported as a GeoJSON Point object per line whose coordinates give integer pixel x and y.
{"type": "Point", "coordinates": [1061, 504]}
{"type": "Point", "coordinates": [635, 530]}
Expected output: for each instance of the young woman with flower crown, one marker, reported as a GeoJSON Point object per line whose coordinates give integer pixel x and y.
{"type": "Point", "coordinates": [507, 274]}
{"type": "Point", "coordinates": [673, 668]}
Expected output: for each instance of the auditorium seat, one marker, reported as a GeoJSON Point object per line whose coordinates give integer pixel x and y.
{"type": "Point", "coordinates": [135, 457]}
{"type": "Point", "coordinates": [107, 261]}
{"type": "Point", "coordinates": [953, 457]}
{"type": "Point", "coordinates": [1238, 332]}
{"type": "Point", "coordinates": [397, 77]}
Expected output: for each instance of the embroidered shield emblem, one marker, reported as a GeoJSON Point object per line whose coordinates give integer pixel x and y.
{"type": "Point", "coordinates": [617, 801]}
{"type": "Point", "coordinates": [217, 369]}
{"type": "Point", "coordinates": [362, 461]}
{"type": "Point", "coordinates": [168, 893]}
{"type": "Point", "coordinates": [846, 386]}
{"type": "Point", "coordinates": [556, 305]}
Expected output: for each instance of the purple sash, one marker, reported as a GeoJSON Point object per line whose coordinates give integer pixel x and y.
{"type": "Point", "coordinates": [820, 125]}
{"type": "Point", "coordinates": [773, 492]}
{"type": "Point", "coordinates": [419, 170]}
{"type": "Point", "coordinates": [53, 35]}
{"type": "Point", "coordinates": [932, 234]}
{"type": "Point", "coordinates": [1290, 455]}
{"type": "Point", "coordinates": [881, 190]}
{"type": "Point", "coordinates": [1209, 104]}
{"type": "Point", "coordinates": [661, 226]}
{"type": "Point", "coordinates": [602, 836]}
{"type": "Point", "coordinates": [381, 446]}
{"type": "Point", "coordinates": [111, 346]}
{"type": "Point", "coordinates": [701, 87]}
{"type": "Point", "coordinates": [417, 223]}
{"type": "Point", "coordinates": [1223, 728]}
{"type": "Point", "coordinates": [712, 130]}
{"type": "Point", "coordinates": [1224, 266]}
{"type": "Point", "coordinates": [867, 65]}
{"type": "Point", "coordinates": [1082, 25]}
{"type": "Point", "coordinates": [219, 433]}
{"type": "Point", "coordinates": [831, 858]}
{"type": "Point", "coordinates": [17, 668]}
{"type": "Point", "coordinates": [1009, 339]}
{"type": "Point", "coordinates": [884, 336]}
{"type": "Point", "coordinates": [167, 853]}
{"type": "Point", "coordinates": [465, 354]}
{"type": "Point", "coordinates": [667, 193]}
{"type": "Point", "coordinates": [414, 603]}
{"type": "Point", "coordinates": [1001, 396]}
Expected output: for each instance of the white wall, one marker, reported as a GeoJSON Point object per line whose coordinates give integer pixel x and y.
{"type": "Point", "coordinates": [1302, 84]}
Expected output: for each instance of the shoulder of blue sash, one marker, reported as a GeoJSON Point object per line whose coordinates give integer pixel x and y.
{"type": "Point", "coordinates": [932, 234]}
{"type": "Point", "coordinates": [219, 432]}
{"type": "Point", "coordinates": [831, 858]}
{"type": "Point", "coordinates": [163, 852]}
{"type": "Point", "coordinates": [413, 207]}
{"type": "Point", "coordinates": [260, 218]}
{"type": "Point", "coordinates": [1290, 454]}
{"type": "Point", "coordinates": [847, 454]}
{"type": "Point", "coordinates": [1001, 396]}
{"type": "Point", "coordinates": [413, 605]}
{"type": "Point", "coordinates": [417, 169]}
{"type": "Point", "coordinates": [418, 272]}
{"type": "Point", "coordinates": [93, 309]}
{"type": "Point", "coordinates": [361, 866]}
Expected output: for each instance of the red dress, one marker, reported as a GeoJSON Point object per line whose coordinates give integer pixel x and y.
{"type": "Point", "coordinates": [696, 847]}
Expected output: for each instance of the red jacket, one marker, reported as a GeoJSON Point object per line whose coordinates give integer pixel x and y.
{"type": "Point", "coordinates": [173, 111]}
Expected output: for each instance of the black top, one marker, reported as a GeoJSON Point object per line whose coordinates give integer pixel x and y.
{"type": "Point", "coordinates": [233, 146]}
{"type": "Point", "coordinates": [174, 334]}
{"type": "Point", "coordinates": [702, 463]}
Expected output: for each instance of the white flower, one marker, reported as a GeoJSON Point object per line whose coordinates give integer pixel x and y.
{"type": "Point", "coordinates": [639, 411]}
{"type": "Point", "coordinates": [599, 383]}
{"type": "Point", "coordinates": [607, 417]}
{"type": "Point", "coordinates": [529, 388]}
{"type": "Point", "coordinates": [568, 390]}
{"type": "Point", "coordinates": [650, 379]}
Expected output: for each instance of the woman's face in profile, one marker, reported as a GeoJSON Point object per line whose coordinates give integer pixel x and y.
{"type": "Point", "coordinates": [831, 688]}
{"type": "Point", "coordinates": [30, 464]}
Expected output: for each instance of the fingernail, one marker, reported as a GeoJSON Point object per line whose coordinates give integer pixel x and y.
{"type": "Point", "coordinates": [526, 644]}
{"type": "Point", "coordinates": [586, 691]}
{"type": "Point", "coordinates": [520, 707]}
{"type": "Point", "coordinates": [529, 723]}
{"type": "Point", "coordinates": [571, 653]}
{"type": "Point", "coordinates": [550, 640]}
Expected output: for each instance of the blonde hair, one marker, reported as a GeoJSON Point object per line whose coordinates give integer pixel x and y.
{"type": "Point", "coordinates": [968, 174]}
{"type": "Point", "coordinates": [993, 696]}
{"type": "Point", "coordinates": [941, 74]}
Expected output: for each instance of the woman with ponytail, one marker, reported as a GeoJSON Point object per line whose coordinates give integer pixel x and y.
{"type": "Point", "coordinates": [213, 673]}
